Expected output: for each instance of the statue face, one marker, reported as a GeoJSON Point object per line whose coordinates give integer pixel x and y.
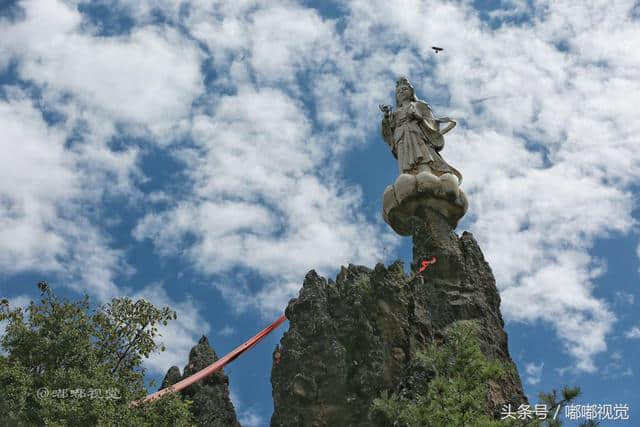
{"type": "Point", "coordinates": [403, 93]}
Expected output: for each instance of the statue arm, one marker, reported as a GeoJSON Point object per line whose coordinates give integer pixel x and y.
{"type": "Point", "coordinates": [451, 125]}
{"type": "Point", "coordinates": [426, 114]}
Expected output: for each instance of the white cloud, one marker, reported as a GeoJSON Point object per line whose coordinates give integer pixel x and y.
{"type": "Point", "coordinates": [180, 335]}
{"type": "Point", "coordinates": [278, 54]}
{"type": "Point", "coordinates": [267, 197]}
{"type": "Point", "coordinates": [533, 372]}
{"type": "Point", "coordinates": [149, 77]}
{"type": "Point", "coordinates": [545, 214]}
{"type": "Point", "coordinates": [548, 158]}
{"type": "Point", "coordinates": [625, 297]}
{"type": "Point", "coordinates": [247, 416]}
{"type": "Point", "coordinates": [633, 333]}
{"type": "Point", "coordinates": [33, 178]}
{"type": "Point", "coordinates": [227, 331]}
{"type": "Point", "coordinates": [527, 202]}
{"type": "Point", "coordinates": [55, 177]}
{"type": "Point", "coordinates": [615, 368]}
{"type": "Point", "coordinates": [261, 201]}
{"type": "Point", "coordinates": [41, 195]}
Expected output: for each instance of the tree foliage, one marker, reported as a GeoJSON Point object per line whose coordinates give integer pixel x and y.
{"type": "Point", "coordinates": [57, 353]}
{"type": "Point", "coordinates": [457, 395]}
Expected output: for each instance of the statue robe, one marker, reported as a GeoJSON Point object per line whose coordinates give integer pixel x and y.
{"type": "Point", "coordinates": [416, 140]}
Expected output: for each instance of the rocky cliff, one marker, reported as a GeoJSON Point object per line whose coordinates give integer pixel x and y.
{"type": "Point", "coordinates": [211, 404]}
{"type": "Point", "coordinates": [352, 338]}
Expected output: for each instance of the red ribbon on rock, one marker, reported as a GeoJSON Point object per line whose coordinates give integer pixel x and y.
{"type": "Point", "coordinates": [426, 264]}
{"type": "Point", "coordinates": [215, 366]}
{"type": "Point", "coordinates": [220, 363]}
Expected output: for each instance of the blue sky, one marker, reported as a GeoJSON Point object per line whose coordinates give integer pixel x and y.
{"type": "Point", "coordinates": [206, 155]}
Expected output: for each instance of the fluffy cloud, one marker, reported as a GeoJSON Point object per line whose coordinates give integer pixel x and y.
{"type": "Point", "coordinates": [250, 418]}
{"type": "Point", "coordinates": [548, 130]}
{"type": "Point", "coordinates": [148, 77]}
{"type": "Point", "coordinates": [547, 143]}
{"type": "Point", "coordinates": [260, 202]}
{"type": "Point", "coordinates": [616, 367]}
{"type": "Point", "coordinates": [547, 147]}
{"type": "Point", "coordinates": [227, 331]}
{"type": "Point", "coordinates": [80, 91]}
{"type": "Point", "coordinates": [180, 334]}
{"type": "Point", "coordinates": [624, 297]}
{"type": "Point", "coordinates": [633, 333]}
{"type": "Point", "coordinates": [533, 372]}
{"type": "Point", "coordinates": [41, 195]}
{"type": "Point", "coordinates": [30, 186]}
{"type": "Point", "coordinates": [247, 416]}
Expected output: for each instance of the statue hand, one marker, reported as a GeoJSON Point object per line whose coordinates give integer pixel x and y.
{"type": "Point", "coordinates": [451, 125]}
{"type": "Point", "coordinates": [414, 113]}
{"type": "Point", "coordinates": [386, 109]}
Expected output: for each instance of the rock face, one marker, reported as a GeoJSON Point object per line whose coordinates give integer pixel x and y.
{"type": "Point", "coordinates": [211, 404]}
{"type": "Point", "coordinates": [351, 339]}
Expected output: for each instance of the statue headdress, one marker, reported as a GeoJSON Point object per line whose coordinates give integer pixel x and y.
{"type": "Point", "coordinates": [403, 81]}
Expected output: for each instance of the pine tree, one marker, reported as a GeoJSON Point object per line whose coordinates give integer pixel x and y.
{"type": "Point", "coordinates": [457, 395]}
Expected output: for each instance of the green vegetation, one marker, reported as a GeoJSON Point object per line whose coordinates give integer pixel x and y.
{"type": "Point", "coordinates": [56, 348]}
{"type": "Point", "coordinates": [63, 363]}
{"type": "Point", "coordinates": [457, 395]}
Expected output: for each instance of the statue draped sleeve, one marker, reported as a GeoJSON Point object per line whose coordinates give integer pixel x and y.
{"type": "Point", "coordinates": [430, 126]}
{"type": "Point", "coordinates": [387, 134]}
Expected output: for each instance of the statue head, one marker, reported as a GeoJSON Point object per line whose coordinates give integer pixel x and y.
{"type": "Point", "coordinates": [404, 91]}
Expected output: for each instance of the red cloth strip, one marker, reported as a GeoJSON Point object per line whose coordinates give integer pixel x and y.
{"type": "Point", "coordinates": [426, 263]}
{"type": "Point", "coordinates": [215, 366]}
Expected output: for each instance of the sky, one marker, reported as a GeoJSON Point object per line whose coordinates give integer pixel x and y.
{"type": "Point", "coordinates": [206, 154]}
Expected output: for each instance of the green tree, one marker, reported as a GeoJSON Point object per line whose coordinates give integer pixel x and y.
{"type": "Point", "coordinates": [457, 393]}
{"type": "Point", "coordinates": [56, 351]}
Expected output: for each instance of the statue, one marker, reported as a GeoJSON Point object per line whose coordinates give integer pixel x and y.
{"type": "Point", "coordinates": [414, 134]}
{"type": "Point", "coordinates": [415, 138]}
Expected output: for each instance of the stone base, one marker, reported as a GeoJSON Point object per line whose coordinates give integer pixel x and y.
{"type": "Point", "coordinates": [410, 195]}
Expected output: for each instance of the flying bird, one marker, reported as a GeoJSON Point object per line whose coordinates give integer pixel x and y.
{"type": "Point", "coordinates": [436, 48]}
{"type": "Point", "coordinates": [479, 100]}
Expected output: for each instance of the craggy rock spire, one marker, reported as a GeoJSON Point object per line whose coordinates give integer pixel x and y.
{"type": "Point", "coordinates": [351, 339]}
{"type": "Point", "coordinates": [211, 404]}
